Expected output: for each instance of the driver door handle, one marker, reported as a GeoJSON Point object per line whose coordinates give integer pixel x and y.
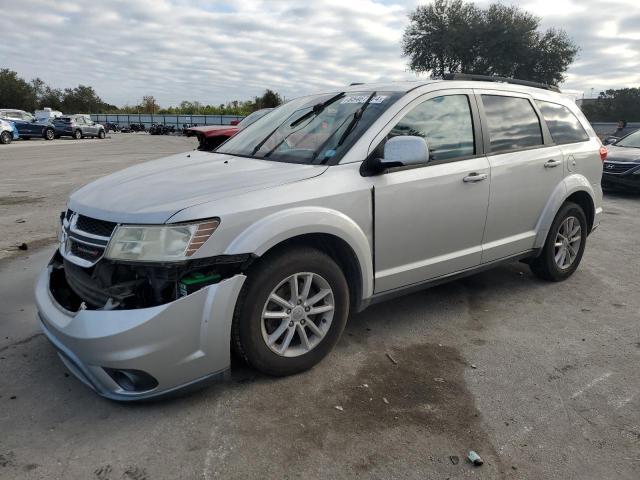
{"type": "Point", "coordinates": [475, 177]}
{"type": "Point", "coordinates": [552, 163]}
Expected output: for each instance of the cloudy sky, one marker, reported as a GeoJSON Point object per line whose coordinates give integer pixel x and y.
{"type": "Point", "coordinates": [214, 50]}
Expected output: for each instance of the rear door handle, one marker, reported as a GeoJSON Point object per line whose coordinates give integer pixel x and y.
{"type": "Point", "coordinates": [475, 177]}
{"type": "Point", "coordinates": [552, 163]}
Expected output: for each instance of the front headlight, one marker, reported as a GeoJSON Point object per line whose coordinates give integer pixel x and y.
{"type": "Point", "coordinates": [159, 243]}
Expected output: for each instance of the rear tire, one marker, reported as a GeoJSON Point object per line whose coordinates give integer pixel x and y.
{"type": "Point", "coordinates": [6, 138]}
{"type": "Point", "coordinates": [49, 134]}
{"type": "Point", "coordinates": [564, 246]}
{"type": "Point", "coordinates": [77, 134]}
{"type": "Point", "coordinates": [309, 326]}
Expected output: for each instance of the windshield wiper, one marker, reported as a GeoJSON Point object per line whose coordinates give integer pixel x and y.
{"type": "Point", "coordinates": [356, 118]}
{"type": "Point", "coordinates": [317, 109]}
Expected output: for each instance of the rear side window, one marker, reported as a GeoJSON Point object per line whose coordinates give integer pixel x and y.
{"type": "Point", "coordinates": [513, 123]}
{"type": "Point", "coordinates": [563, 124]}
{"type": "Point", "coordinates": [445, 123]}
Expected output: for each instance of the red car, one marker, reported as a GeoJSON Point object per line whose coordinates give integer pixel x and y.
{"type": "Point", "coordinates": [211, 137]}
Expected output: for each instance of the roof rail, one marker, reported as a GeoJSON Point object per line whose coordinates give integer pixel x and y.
{"type": "Point", "coordinates": [490, 78]}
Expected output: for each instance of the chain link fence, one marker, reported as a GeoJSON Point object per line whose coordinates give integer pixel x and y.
{"type": "Point", "coordinates": [126, 119]}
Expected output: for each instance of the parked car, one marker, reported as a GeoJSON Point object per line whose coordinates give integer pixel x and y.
{"type": "Point", "coordinates": [28, 126]}
{"type": "Point", "coordinates": [622, 166]}
{"type": "Point", "coordinates": [77, 126]}
{"type": "Point", "coordinates": [328, 204]}
{"type": "Point", "coordinates": [47, 114]}
{"type": "Point", "coordinates": [111, 127]}
{"type": "Point", "coordinates": [211, 137]}
{"type": "Point", "coordinates": [8, 132]}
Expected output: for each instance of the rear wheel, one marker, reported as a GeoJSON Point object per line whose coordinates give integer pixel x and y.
{"type": "Point", "coordinates": [49, 134]}
{"type": "Point", "coordinates": [77, 134]}
{"type": "Point", "coordinates": [5, 138]}
{"type": "Point", "coordinates": [291, 312]}
{"type": "Point", "coordinates": [564, 246]}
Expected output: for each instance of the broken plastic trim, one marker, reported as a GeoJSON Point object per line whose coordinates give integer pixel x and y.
{"type": "Point", "coordinates": [118, 285]}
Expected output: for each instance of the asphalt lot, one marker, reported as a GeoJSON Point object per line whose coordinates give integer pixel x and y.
{"type": "Point", "coordinates": [542, 380]}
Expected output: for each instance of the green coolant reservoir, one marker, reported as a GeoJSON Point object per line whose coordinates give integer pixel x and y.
{"type": "Point", "coordinates": [195, 281]}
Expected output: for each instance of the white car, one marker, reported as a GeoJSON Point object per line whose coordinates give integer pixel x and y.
{"type": "Point", "coordinates": [8, 132]}
{"type": "Point", "coordinates": [328, 204]}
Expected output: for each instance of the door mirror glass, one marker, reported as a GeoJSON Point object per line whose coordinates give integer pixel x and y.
{"type": "Point", "coordinates": [405, 150]}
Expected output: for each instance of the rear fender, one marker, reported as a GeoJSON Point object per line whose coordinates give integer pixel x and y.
{"type": "Point", "coordinates": [570, 184]}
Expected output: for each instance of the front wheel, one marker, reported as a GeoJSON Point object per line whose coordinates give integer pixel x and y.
{"type": "Point", "coordinates": [101, 134]}
{"type": "Point", "coordinates": [5, 138]}
{"type": "Point", "coordinates": [291, 312]}
{"type": "Point", "coordinates": [564, 246]}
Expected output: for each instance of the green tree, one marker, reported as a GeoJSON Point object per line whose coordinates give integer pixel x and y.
{"type": "Point", "coordinates": [614, 105]}
{"type": "Point", "coordinates": [453, 36]}
{"type": "Point", "coordinates": [15, 92]}
{"type": "Point", "coordinates": [269, 99]}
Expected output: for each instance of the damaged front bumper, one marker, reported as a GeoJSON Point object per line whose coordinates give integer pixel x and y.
{"type": "Point", "coordinates": [143, 353]}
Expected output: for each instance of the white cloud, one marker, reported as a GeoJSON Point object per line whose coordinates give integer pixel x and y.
{"type": "Point", "coordinates": [214, 51]}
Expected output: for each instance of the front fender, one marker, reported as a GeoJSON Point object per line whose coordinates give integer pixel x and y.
{"type": "Point", "coordinates": [280, 226]}
{"type": "Point", "coordinates": [570, 184]}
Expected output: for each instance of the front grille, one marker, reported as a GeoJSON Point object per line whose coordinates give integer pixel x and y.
{"type": "Point", "coordinates": [94, 226]}
{"type": "Point", "coordinates": [611, 167]}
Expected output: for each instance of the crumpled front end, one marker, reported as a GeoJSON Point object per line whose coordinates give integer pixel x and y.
{"type": "Point", "coordinates": [130, 351]}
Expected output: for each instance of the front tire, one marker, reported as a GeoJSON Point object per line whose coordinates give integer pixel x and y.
{"type": "Point", "coordinates": [564, 246]}
{"type": "Point", "coordinates": [291, 312]}
{"type": "Point", "coordinates": [5, 138]}
{"type": "Point", "coordinates": [101, 134]}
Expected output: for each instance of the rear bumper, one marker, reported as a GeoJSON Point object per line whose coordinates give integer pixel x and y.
{"type": "Point", "coordinates": [180, 344]}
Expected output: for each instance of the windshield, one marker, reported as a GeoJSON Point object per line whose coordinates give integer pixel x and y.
{"type": "Point", "coordinates": [632, 140]}
{"type": "Point", "coordinates": [253, 117]}
{"type": "Point", "coordinates": [315, 130]}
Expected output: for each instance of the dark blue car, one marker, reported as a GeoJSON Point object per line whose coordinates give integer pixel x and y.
{"type": "Point", "coordinates": [27, 125]}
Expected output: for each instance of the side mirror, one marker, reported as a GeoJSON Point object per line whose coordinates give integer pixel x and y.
{"type": "Point", "coordinates": [405, 150]}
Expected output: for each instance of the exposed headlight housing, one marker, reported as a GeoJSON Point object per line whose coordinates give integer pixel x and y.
{"type": "Point", "coordinates": [159, 243]}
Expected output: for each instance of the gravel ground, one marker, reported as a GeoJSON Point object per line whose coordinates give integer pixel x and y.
{"type": "Point", "coordinates": [542, 380]}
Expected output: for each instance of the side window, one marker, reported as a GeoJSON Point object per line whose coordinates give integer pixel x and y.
{"type": "Point", "coordinates": [513, 123]}
{"type": "Point", "coordinates": [79, 120]}
{"type": "Point", "coordinates": [445, 123]}
{"type": "Point", "coordinates": [563, 124]}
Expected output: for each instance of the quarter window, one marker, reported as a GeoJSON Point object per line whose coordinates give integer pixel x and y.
{"type": "Point", "coordinates": [563, 124]}
{"type": "Point", "coordinates": [445, 123]}
{"type": "Point", "coordinates": [513, 123]}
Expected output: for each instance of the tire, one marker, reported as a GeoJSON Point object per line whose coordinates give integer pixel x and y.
{"type": "Point", "coordinates": [6, 138]}
{"type": "Point", "coordinates": [77, 134]}
{"type": "Point", "coordinates": [49, 134]}
{"type": "Point", "coordinates": [548, 266]}
{"type": "Point", "coordinates": [250, 331]}
{"type": "Point", "coordinates": [101, 134]}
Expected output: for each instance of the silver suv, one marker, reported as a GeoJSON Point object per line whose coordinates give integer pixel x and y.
{"type": "Point", "coordinates": [328, 204]}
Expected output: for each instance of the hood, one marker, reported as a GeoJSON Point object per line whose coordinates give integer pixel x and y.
{"type": "Point", "coordinates": [215, 130]}
{"type": "Point", "coordinates": [622, 154]}
{"type": "Point", "coordinates": [152, 192]}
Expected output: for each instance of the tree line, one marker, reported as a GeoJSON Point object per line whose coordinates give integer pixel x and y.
{"type": "Point", "coordinates": [16, 92]}
{"type": "Point", "coordinates": [614, 105]}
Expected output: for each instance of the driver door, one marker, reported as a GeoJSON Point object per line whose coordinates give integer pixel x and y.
{"type": "Point", "coordinates": [429, 220]}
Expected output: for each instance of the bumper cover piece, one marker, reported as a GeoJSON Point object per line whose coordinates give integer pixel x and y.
{"type": "Point", "coordinates": [181, 344]}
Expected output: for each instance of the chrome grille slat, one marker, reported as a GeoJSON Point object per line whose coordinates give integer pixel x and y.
{"type": "Point", "coordinates": [85, 238]}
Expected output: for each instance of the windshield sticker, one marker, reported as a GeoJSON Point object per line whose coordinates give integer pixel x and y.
{"type": "Point", "coordinates": [363, 98]}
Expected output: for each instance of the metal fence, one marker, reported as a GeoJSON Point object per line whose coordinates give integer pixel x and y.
{"type": "Point", "coordinates": [125, 119]}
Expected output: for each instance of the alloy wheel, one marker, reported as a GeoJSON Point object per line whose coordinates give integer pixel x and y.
{"type": "Point", "coordinates": [567, 244]}
{"type": "Point", "coordinates": [297, 314]}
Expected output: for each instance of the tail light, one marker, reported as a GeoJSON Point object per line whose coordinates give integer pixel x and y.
{"type": "Point", "coordinates": [603, 153]}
